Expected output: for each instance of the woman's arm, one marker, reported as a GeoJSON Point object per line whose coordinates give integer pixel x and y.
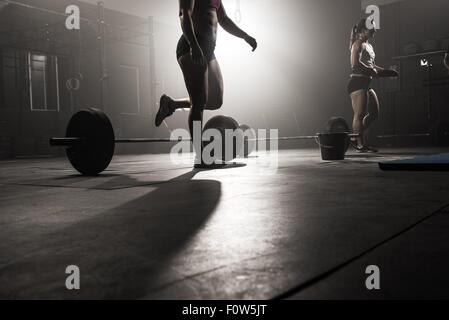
{"type": "Point", "coordinates": [185, 15]}
{"type": "Point", "coordinates": [356, 63]}
{"type": "Point", "coordinates": [229, 26]}
{"type": "Point", "coordinates": [378, 68]}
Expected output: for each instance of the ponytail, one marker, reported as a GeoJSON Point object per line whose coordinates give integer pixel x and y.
{"type": "Point", "coordinates": [353, 37]}
{"type": "Point", "coordinates": [356, 30]}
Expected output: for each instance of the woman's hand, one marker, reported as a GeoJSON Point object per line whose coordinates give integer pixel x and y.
{"type": "Point", "coordinates": [374, 72]}
{"type": "Point", "coordinates": [197, 55]}
{"type": "Point", "coordinates": [379, 69]}
{"type": "Point", "coordinates": [387, 73]}
{"type": "Point", "coordinates": [251, 41]}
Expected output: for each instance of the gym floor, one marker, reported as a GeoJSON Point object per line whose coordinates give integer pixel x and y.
{"type": "Point", "coordinates": [147, 228]}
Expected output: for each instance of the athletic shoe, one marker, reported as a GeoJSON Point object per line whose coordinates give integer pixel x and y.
{"type": "Point", "coordinates": [216, 165]}
{"type": "Point", "coordinates": [164, 110]}
{"type": "Point", "coordinates": [366, 149]}
{"type": "Point", "coordinates": [354, 144]}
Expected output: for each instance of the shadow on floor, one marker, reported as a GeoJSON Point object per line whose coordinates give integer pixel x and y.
{"type": "Point", "coordinates": [113, 181]}
{"type": "Point", "coordinates": [125, 252]}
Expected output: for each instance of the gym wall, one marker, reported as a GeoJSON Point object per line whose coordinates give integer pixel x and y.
{"type": "Point", "coordinates": [406, 28]}
{"type": "Point", "coordinates": [26, 128]}
{"type": "Point", "coordinates": [295, 81]}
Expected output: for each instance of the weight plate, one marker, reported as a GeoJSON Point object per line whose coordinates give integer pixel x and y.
{"type": "Point", "coordinates": [248, 146]}
{"type": "Point", "coordinates": [222, 123]}
{"type": "Point", "coordinates": [234, 122]}
{"type": "Point", "coordinates": [94, 154]}
{"type": "Point", "coordinates": [339, 125]}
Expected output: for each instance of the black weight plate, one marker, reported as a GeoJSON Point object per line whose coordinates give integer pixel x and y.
{"type": "Point", "coordinates": [339, 125]}
{"type": "Point", "coordinates": [94, 154]}
{"type": "Point", "coordinates": [248, 146]}
{"type": "Point", "coordinates": [222, 123]}
{"type": "Point", "coordinates": [234, 123]}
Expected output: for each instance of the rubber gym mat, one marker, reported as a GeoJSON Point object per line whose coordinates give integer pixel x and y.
{"type": "Point", "coordinates": [439, 162]}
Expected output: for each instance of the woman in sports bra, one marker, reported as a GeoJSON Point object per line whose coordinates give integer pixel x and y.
{"type": "Point", "coordinates": [365, 103]}
{"type": "Point", "coordinates": [195, 54]}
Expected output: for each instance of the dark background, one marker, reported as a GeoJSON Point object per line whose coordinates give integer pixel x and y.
{"type": "Point", "coordinates": [405, 103]}
{"type": "Point", "coordinates": [295, 81]}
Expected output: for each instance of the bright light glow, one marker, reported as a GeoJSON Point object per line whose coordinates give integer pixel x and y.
{"type": "Point", "coordinates": [261, 80]}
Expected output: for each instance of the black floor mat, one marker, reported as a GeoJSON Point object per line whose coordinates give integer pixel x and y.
{"type": "Point", "coordinates": [439, 162]}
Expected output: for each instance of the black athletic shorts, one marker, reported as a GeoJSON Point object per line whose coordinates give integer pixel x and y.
{"type": "Point", "coordinates": [207, 46]}
{"type": "Point", "coordinates": [359, 82]}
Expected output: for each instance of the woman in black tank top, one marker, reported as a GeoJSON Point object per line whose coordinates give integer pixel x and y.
{"type": "Point", "coordinates": [364, 99]}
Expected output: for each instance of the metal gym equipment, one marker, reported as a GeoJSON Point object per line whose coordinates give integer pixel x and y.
{"type": "Point", "coordinates": [90, 139]}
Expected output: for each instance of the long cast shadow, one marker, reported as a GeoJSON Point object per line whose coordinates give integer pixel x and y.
{"type": "Point", "coordinates": [122, 253]}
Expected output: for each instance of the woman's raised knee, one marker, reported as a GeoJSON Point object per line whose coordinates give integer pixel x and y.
{"type": "Point", "coordinates": [215, 104]}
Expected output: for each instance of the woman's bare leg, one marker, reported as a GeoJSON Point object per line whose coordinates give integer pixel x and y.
{"type": "Point", "coordinates": [359, 103]}
{"type": "Point", "coordinates": [215, 88]}
{"type": "Point", "coordinates": [196, 80]}
{"type": "Point", "coordinates": [184, 103]}
{"type": "Point", "coordinates": [373, 110]}
{"type": "Point", "coordinates": [204, 84]}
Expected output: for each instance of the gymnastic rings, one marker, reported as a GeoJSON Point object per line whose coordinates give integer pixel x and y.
{"type": "Point", "coordinates": [74, 83]}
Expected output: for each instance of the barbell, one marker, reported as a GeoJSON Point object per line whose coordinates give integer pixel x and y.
{"type": "Point", "coordinates": [90, 139]}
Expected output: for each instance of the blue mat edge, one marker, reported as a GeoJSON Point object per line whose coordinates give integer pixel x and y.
{"type": "Point", "coordinates": [438, 162]}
